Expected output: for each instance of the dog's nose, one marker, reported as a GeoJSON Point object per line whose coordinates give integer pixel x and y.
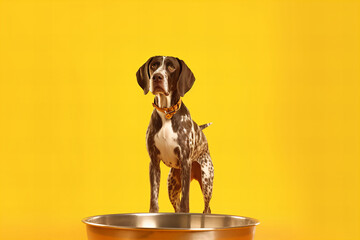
{"type": "Point", "coordinates": [158, 77]}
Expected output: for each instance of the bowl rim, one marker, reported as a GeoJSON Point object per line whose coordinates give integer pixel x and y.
{"type": "Point", "coordinates": [85, 220]}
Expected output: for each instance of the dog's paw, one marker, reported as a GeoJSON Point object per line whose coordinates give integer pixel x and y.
{"type": "Point", "coordinates": [184, 207]}
{"type": "Point", "coordinates": [154, 209]}
{"type": "Point", "coordinates": [207, 210]}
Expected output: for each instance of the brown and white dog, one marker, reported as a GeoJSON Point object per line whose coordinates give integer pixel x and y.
{"type": "Point", "coordinates": [172, 136]}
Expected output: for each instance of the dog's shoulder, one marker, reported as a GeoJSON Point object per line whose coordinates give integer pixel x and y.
{"type": "Point", "coordinates": [181, 119]}
{"type": "Point", "coordinates": [155, 122]}
{"type": "Point", "coordinates": [154, 127]}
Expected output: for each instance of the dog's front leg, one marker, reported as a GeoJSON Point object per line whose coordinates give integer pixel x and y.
{"type": "Point", "coordinates": [155, 184]}
{"type": "Point", "coordinates": [185, 184]}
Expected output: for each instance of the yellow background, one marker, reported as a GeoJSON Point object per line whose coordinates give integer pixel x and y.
{"type": "Point", "coordinates": [278, 79]}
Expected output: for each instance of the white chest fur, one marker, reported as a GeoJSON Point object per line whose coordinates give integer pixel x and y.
{"type": "Point", "coordinates": [166, 142]}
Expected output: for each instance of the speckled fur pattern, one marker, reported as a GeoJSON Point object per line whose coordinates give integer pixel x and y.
{"type": "Point", "coordinates": [178, 142]}
{"type": "Point", "coordinates": [193, 161]}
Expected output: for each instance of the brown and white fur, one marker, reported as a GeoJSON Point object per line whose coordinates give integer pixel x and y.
{"type": "Point", "coordinates": [179, 142]}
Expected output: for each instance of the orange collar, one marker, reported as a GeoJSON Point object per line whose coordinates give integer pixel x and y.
{"type": "Point", "coordinates": [169, 111]}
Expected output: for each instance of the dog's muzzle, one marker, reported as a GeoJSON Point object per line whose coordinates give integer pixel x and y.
{"type": "Point", "coordinates": [158, 84]}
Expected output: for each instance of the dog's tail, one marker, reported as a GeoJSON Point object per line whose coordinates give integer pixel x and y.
{"type": "Point", "coordinates": [204, 126]}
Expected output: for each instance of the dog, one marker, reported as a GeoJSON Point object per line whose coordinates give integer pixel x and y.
{"type": "Point", "coordinates": [172, 136]}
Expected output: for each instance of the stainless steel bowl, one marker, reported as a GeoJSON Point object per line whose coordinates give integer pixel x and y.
{"type": "Point", "coordinates": [169, 226]}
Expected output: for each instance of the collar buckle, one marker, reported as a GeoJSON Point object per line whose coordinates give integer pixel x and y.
{"type": "Point", "coordinates": [169, 112]}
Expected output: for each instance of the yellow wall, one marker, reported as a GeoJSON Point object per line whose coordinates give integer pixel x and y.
{"type": "Point", "coordinates": [278, 79]}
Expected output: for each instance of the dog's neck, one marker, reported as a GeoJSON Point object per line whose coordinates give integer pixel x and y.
{"type": "Point", "coordinates": [166, 101]}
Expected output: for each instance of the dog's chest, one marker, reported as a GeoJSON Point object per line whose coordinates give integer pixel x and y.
{"type": "Point", "coordinates": [166, 142]}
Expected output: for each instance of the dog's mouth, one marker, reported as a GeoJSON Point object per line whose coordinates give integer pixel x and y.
{"type": "Point", "coordinates": [160, 90]}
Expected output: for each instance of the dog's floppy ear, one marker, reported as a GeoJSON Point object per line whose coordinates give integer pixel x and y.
{"type": "Point", "coordinates": [186, 78]}
{"type": "Point", "coordinates": [142, 76]}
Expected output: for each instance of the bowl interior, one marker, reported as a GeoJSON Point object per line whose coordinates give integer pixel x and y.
{"type": "Point", "coordinates": [188, 221]}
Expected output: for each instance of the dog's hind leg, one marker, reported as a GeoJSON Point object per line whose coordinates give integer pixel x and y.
{"type": "Point", "coordinates": [207, 177]}
{"type": "Point", "coordinates": [174, 188]}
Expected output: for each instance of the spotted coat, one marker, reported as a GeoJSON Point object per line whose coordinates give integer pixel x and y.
{"type": "Point", "coordinates": [192, 161]}
{"type": "Point", "coordinates": [178, 142]}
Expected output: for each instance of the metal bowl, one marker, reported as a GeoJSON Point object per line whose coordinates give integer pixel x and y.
{"type": "Point", "coordinates": [169, 226]}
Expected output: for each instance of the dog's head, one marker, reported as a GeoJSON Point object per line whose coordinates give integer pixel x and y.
{"type": "Point", "coordinates": [165, 75]}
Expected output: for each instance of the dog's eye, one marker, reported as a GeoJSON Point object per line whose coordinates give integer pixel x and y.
{"type": "Point", "coordinates": [171, 68]}
{"type": "Point", "coordinates": [153, 66]}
